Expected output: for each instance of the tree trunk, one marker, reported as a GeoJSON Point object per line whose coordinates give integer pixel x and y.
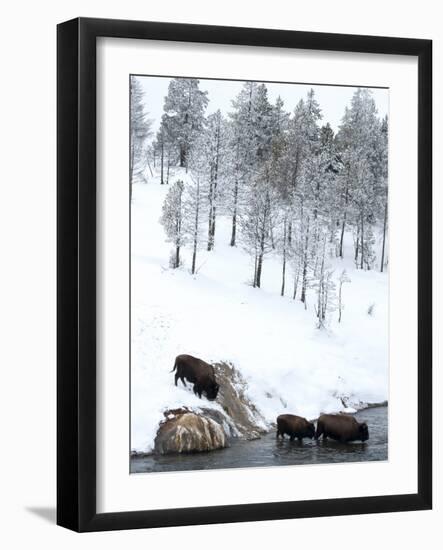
{"type": "Point", "coordinates": [177, 256]}
{"type": "Point", "coordinates": [259, 270]}
{"type": "Point", "coordinates": [357, 247]}
{"type": "Point", "coordinates": [149, 166]}
{"type": "Point", "coordinates": [234, 216]}
{"type": "Point", "coordinates": [162, 162]}
{"type": "Point", "coordinates": [319, 303]}
{"type": "Point", "coordinates": [182, 156]}
{"type": "Point", "coordinates": [266, 215]}
{"type": "Point", "coordinates": [317, 195]}
{"type": "Point", "coordinates": [194, 257]}
{"type": "Point", "coordinates": [344, 220]}
{"type": "Point", "coordinates": [211, 198]}
{"type": "Point", "coordinates": [296, 277]}
{"type": "Point", "coordinates": [254, 281]}
{"type": "Point", "coordinates": [362, 251]}
{"type": "Point", "coordinates": [197, 208]}
{"type": "Point", "coordinates": [384, 236]}
{"type": "Point", "coordinates": [215, 184]}
{"type": "Point", "coordinates": [305, 266]}
{"type": "Point", "coordinates": [283, 277]}
{"type": "Point", "coordinates": [214, 212]}
{"type": "Point", "coordinates": [342, 233]}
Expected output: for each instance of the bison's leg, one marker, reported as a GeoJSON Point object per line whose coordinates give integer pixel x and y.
{"type": "Point", "coordinates": [319, 430]}
{"type": "Point", "coordinates": [176, 378]}
{"type": "Point", "coordinates": [182, 378]}
{"type": "Point", "coordinates": [278, 433]}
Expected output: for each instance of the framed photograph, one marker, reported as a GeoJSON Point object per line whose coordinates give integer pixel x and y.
{"type": "Point", "coordinates": [244, 274]}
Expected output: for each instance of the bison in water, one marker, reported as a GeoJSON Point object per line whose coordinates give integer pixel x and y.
{"type": "Point", "coordinates": [295, 427]}
{"type": "Point", "coordinates": [341, 427]}
{"type": "Point", "coordinates": [199, 373]}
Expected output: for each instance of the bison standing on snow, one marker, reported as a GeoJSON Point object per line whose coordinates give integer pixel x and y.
{"type": "Point", "coordinates": [199, 373]}
{"type": "Point", "coordinates": [294, 426]}
{"type": "Point", "coordinates": [341, 427]}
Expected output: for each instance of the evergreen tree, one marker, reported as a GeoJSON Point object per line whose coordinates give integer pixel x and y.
{"type": "Point", "coordinates": [257, 223]}
{"type": "Point", "coordinates": [215, 142]}
{"type": "Point", "coordinates": [184, 111]}
{"type": "Point", "coordinates": [172, 220]}
{"type": "Point", "coordinates": [140, 129]}
{"type": "Point", "coordinates": [196, 195]}
{"type": "Point", "coordinates": [359, 141]}
{"type": "Point", "coordinates": [383, 184]}
{"type": "Point", "coordinates": [251, 135]}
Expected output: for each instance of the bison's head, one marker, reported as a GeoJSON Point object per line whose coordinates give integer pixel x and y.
{"type": "Point", "coordinates": [212, 391]}
{"type": "Point", "coordinates": [364, 432]}
{"type": "Point", "coordinates": [311, 430]}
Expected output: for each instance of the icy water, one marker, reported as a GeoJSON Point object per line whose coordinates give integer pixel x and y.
{"type": "Point", "coordinates": [268, 451]}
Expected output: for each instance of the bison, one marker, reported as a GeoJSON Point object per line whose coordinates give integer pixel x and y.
{"type": "Point", "coordinates": [294, 426]}
{"type": "Point", "coordinates": [199, 373]}
{"type": "Point", "coordinates": [341, 427]}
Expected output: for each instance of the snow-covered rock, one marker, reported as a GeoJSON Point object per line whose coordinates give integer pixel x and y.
{"type": "Point", "coordinates": [189, 432]}
{"type": "Point", "coordinates": [240, 410]}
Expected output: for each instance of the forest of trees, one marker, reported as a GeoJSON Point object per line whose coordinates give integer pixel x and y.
{"type": "Point", "coordinates": [291, 187]}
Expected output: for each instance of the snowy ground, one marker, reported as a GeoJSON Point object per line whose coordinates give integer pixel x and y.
{"type": "Point", "coordinates": [217, 316]}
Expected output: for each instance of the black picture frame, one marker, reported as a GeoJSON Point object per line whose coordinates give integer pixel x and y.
{"type": "Point", "coordinates": [76, 273]}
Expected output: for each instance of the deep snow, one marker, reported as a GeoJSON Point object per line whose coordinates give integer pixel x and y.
{"type": "Point", "coordinates": [289, 364]}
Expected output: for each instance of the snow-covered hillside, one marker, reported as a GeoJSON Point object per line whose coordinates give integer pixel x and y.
{"type": "Point", "coordinates": [289, 364]}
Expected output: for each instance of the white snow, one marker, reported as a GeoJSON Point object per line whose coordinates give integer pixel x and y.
{"type": "Point", "coordinates": [289, 364]}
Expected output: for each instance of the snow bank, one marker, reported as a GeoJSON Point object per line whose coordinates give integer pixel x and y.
{"type": "Point", "coordinates": [289, 365]}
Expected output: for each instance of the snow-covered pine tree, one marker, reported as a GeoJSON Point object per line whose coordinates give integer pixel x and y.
{"type": "Point", "coordinates": [250, 142]}
{"type": "Point", "coordinates": [305, 230]}
{"type": "Point", "coordinates": [236, 175]}
{"type": "Point", "coordinates": [325, 287]}
{"type": "Point", "coordinates": [172, 219]}
{"type": "Point", "coordinates": [358, 139]}
{"type": "Point", "coordinates": [215, 143]}
{"type": "Point", "coordinates": [362, 198]}
{"type": "Point", "coordinates": [296, 257]}
{"type": "Point", "coordinates": [196, 196]}
{"type": "Point", "coordinates": [276, 166]}
{"type": "Point", "coordinates": [193, 214]}
{"type": "Point", "coordinates": [258, 221]}
{"type": "Point", "coordinates": [140, 129]}
{"type": "Point", "coordinates": [184, 110]}
{"type": "Point", "coordinates": [306, 170]}
{"type": "Point", "coordinates": [382, 179]}
{"type": "Point", "coordinates": [165, 151]}
{"type": "Point", "coordinates": [160, 148]}
{"type": "Point", "coordinates": [326, 191]}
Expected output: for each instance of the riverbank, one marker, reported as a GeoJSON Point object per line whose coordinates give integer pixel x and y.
{"type": "Point", "coordinates": [268, 451]}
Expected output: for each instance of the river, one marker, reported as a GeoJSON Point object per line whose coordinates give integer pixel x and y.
{"type": "Point", "coordinates": [268, 451]}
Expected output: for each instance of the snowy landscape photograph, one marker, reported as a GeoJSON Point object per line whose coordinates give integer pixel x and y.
{"type": "Point", "coordinates": [259, 273]}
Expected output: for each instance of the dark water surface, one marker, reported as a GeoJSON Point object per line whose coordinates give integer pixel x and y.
{"type": "Point", "coordinates": [268, 451]}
